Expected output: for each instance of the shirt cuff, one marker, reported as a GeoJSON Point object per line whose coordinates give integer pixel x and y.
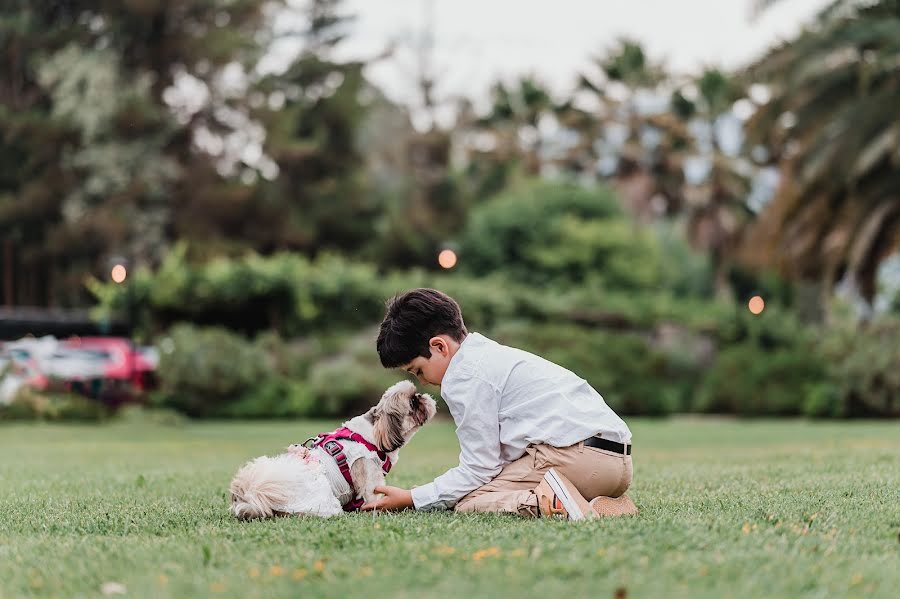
{"type": "Point", "coordinates": [425, 497]}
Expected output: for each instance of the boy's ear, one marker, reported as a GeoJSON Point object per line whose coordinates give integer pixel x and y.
{"type": "Point", "coordinates": [439, 344]}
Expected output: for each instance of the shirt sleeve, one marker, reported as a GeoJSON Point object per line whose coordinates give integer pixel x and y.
{"type": "Point", "coordinates": [478, 431]}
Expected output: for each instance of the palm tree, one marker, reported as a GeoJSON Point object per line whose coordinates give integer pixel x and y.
{"type": "Point", "coordinates": [833, 126]}
{"type": "Point", "coordinates": [513, 119]}
{"type": "Point", "coordinates": [619, 132]}
{"type": "Point", "coordinates": [714, 199]}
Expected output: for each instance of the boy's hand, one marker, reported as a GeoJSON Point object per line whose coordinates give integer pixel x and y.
{"type": "Point", "coordinates": [394, 499]}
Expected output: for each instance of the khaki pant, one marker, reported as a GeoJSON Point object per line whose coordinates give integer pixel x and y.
{"type": "Point", "coordinates": [594, 472]}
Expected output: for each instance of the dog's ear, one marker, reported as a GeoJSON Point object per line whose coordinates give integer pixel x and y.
{"type": "Point", "coordinates": [388, 429]}
{"type": "Point", "coordinates": [390, 416]}
{"type": "Point", "coordinates": [423, 409]}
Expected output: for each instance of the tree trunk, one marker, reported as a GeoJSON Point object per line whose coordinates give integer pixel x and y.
{"type": "Point", "coordinates": [812, 301]}
{"type": "Point", "coordinates": [720, 273]}
{"type": "Point", "coordinates": [8, 297]}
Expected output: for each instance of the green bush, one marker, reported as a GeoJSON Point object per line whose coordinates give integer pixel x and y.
{"type": "Point", "coordinates": [211, 372]}
{"type": "Point", "coordinates": [863, 365]}
{"type": "Point", "coordinates": [748, 380]}
{"type": "Point", "coordinates": [351, 380]}
{"type": "Point", "coordinates": [29, 404]}
{"type": "Point", "coordinates": [295, 297]}
{"type": "Point", "coordinates": [203, 369]}
{"type": "Point", "coordinates": [632, 376]}
{"type": "Point", "coordinates": [570, 236]}
{"type": "Point", "coordinates": [543, 233]}
{"type": "Point", "coordinates": [278, 397]}
{"type": "Point", "coordinates": [767, 364]}
{"type": "Point", "coordinates": [285, 292]}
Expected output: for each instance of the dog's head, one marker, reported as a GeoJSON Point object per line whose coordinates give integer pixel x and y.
{"type": "Point", "coordinates": [399, 414]}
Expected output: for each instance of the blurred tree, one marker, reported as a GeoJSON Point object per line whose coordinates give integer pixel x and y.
{"type": "Point", "coordinates": [833, 126]}
{"type": "Point", "coordinates": [715, 190]}
{"type": "Point", "coordinates": [514, 118]}
{"type": "Point", "coordinates": [560, 235]}
{"type": "Point", "coordinates": [94, 150]}
{"type": "Point", "coordinates": [314, 111]}
{"type": "Point", "coordinates": [626, 140]}
{"type": "Point", "coordinates": [506, 141]}
{"type": "Point", "coordinates": [425, 201]}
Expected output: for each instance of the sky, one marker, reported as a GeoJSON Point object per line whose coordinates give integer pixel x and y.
{"type": "Point", "coordinates": [475, 42]}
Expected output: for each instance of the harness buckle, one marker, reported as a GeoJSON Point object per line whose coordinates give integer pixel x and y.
{"type": "Point", "coordinates": [335, 450]}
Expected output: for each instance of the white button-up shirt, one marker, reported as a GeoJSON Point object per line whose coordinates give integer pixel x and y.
{"type": "Point", "coordinates": [502, 400]}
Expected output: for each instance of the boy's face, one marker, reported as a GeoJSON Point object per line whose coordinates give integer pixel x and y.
{"type": "Point", "coordinates": [431, 370]}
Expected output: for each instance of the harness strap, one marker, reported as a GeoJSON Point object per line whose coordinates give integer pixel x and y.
{"type": "Point", "coordinates": [346, 433]}
{"type": "Point", "coordinates": [328, 442]}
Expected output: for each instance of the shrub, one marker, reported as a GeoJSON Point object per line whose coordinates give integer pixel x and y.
{"type": "Point", "coordinates": [29, 404]}
{"type": "Point", "coordinates": [210, 372]}
{"type": "Point", "coordinates": [351, 380]}
{"type": "Point", "coordinates": [767, 364]}
{"type": "Point", "coordinates": [278, 397]}
{"type": "Point", "coordinates": [284, 292]}
{"type": "Point", "coordinates": [749, 380]}
{"type": "Point", "coordinates": [863, 365]}
{"type": "Point", "coordinates": [203, 369]}
{"type": "Point", "coordinates": [631, 375]}
{"type": "Point", "coordinates": [565, 234]}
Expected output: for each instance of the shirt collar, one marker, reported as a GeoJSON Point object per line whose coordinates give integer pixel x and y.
{"type": "Point", "coordinates": [458, 357]}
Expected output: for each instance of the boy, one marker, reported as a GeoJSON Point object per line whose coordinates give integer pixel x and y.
{"type": "Point", "coordinates": [535, 439]}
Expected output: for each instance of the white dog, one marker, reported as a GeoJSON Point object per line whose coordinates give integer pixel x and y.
{"type": "Point", "coordinates": [335, 471]}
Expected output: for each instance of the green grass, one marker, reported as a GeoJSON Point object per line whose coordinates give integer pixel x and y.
{"type": "Point", "coordinates": [728, 508]}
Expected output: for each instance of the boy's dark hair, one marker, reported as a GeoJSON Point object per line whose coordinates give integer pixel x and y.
{"type": "Point", "coordinates": [411, 319]}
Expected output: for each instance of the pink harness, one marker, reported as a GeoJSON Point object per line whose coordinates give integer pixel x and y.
{"type": "Point", "coordinates": [329, 442]}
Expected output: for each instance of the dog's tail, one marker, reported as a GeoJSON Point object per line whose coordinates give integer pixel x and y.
{"type": "Point", "coordinates": [261, 487]}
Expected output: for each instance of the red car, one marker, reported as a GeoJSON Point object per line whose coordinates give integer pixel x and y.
{"type": "Point", "coordinates": [124, 361]}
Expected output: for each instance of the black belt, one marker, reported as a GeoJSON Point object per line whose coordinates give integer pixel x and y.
{"type": "Point", "coordinates": [608, 445]}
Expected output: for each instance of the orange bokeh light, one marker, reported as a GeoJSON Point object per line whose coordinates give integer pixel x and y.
{"type": "Point", "coordinates": [756, 304]}
{"type": "Point", "coordinates": [447, 259]}
{"type": "Point", "coordinates": [118, 273]}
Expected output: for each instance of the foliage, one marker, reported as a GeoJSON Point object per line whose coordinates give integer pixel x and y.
{"type": "Point", "coordinates": [94, 157]}
{"type": "Point", "coordinates": [767, 365]}
{"type": "Point", "coordinates": [29, 404]}
{"type": "Point", "coordinates": [748, 381]}
{"type": "Point", "coordinates": [863, 373]}
{"type": "Point", "coordinates": [560, 234]}
{"type": "Point", "coordinates": [285, 292]}
{"type": "Point", "coordinates": [295, 296]}
{"type": "Point", "coordinates": [632, 376]}
{"type": "Point", "coordinates": [351, 380]}
{"type": "Point", "coordinates": [832, 125]}
{"type": "Point", "coordinates": [203, 370]}
{"type": "Point", "coordinates": [211, 372]}
{"type": "Point", "coordinates": [319, 199]}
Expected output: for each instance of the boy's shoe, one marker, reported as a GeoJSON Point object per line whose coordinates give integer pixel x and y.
{"type": "Point", "coordinates": [557, 496]}
{"type": "Point", "coordinates": [613, 506]}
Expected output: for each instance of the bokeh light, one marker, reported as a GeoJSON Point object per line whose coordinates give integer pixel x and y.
{"type": "Point", "coordinates": [447, 259]}
{"type": "Point", "coordinates": [756, 304]}
{"type": "Point", "coordinates": [118, 273]}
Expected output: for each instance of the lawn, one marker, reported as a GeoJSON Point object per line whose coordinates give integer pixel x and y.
{"type": "Point", "coordinates": [728, 508]}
